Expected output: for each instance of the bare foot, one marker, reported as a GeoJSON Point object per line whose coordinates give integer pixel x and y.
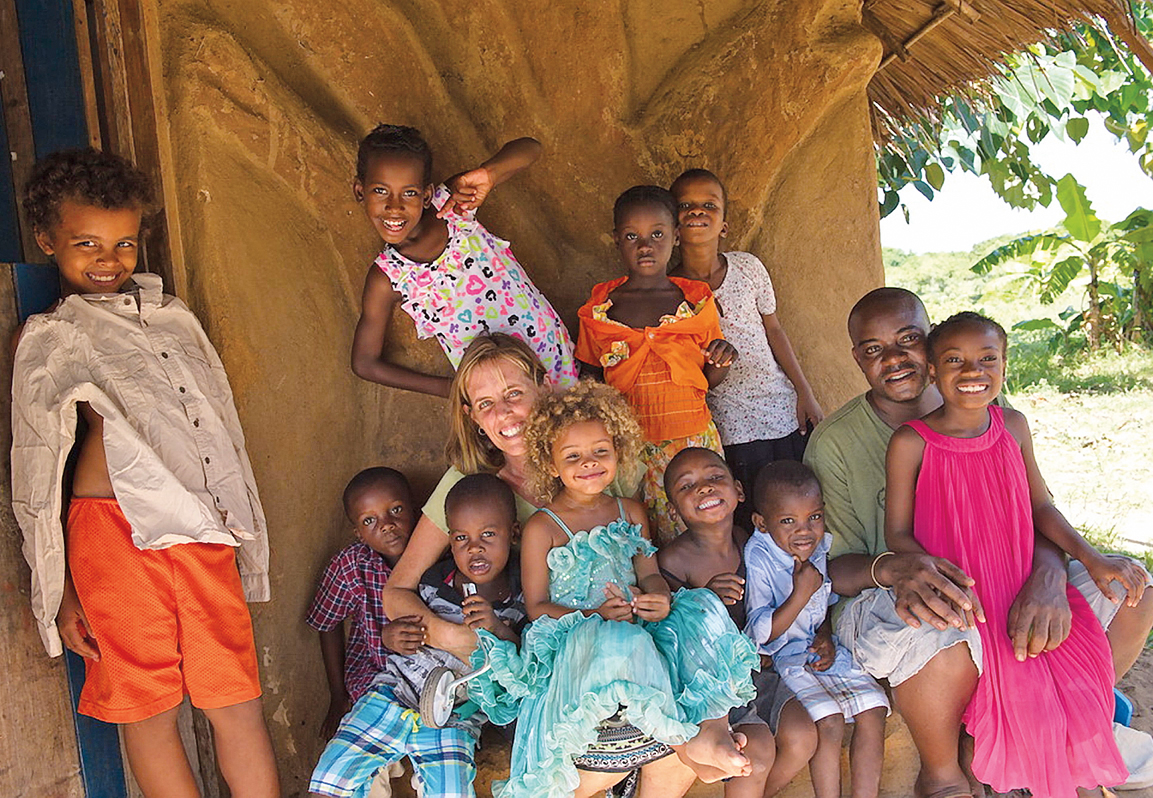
{"type": "Point", "coordinates": [715, 753]}
{"type": "Point", "coordinates": [960, 789]}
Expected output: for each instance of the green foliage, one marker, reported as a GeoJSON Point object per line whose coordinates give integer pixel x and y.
{"type": "Point", "coordinates": [1051, 89]}
{"type": "Point", "coordinates": [1116, 296]}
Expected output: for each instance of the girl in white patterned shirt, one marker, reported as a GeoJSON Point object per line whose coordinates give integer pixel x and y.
{"type": "Point", "coordinates": [765, 407]}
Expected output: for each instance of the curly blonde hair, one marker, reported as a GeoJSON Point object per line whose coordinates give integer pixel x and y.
{"type": "Point", "coordinates": [467, 449]}
{"type": "Point", "coordinates": [553, 414]}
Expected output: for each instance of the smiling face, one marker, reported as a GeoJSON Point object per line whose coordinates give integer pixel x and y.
{"type": "Point", "coordinates": [700, 210]}
{"type": "Point", "coordinates": [889, 347]}
{"type": "Point", "coordinates": [702, 488]}
{"type": "Point", "coordinates": [500, 397]}
{"type": "Point", "coordinates": [584, 457]}
{"type": "Point", "coordinates": [394, 196]}
{"type": "Point", "coordinates": [794, 516]}
{"type": "Point", "coordinates": [95, 248]}
{"type": "Point", "coordinates": [969, 366]}
{"type": "Point", "coordinates": [645, 235]}
{"type": "Point", "coordinates": [480, 535]}
{"type": "Point", "coordinates": [384, 516]}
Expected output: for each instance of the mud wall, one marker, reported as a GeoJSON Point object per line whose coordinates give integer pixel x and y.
{"type": "Point", "coordinates": [265, 101]}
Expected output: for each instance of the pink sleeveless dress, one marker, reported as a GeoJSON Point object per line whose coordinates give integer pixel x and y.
{"type": "Point", "coordinates": [1046, 723]}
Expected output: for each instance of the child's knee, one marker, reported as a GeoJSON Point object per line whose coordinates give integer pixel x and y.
{"type": "Point", "coordinates": [796, 736]}
{"type": "Point", "coordinates": [760, 748]}
{"type": "Point", "coordinates": [831, 729]}
{"type": "Point", "coordinates": [871, 719]}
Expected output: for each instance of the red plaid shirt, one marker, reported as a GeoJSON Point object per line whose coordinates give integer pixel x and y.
{"type": "Point", "coordinates": [350, 588]}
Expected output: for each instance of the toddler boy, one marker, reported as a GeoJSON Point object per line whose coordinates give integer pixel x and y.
{"type": "Point", "coordinates": [143, 583]}
{"type": "Point", "coordinates": [385, 724]}
{"type": "Point", "coordinates": [788, 593]}
{"type": "Point", "coordinates": [378, 502]}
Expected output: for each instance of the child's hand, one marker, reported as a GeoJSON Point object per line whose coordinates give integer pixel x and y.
{"type": "Point", "coordinates": [808, 412]}
{"type": "Point", "coordinates": [479, 614]}
{"type": "Point", "coordinates": [651, 606]}
{"type": "Point", "coordinates": [469, 190]}
{"type": "Point", "coordinates": [730, 588]}
{"type": "Point", "coordinates": [806, 578]}
{"type": "Point", "coordinates": [720, 353]}
{"type": "Point", "coordinates": [338, 706]}
{"type": "Point", "coordinates": [824, 649]}
{"type": "Point", "coordinates": [1106, 568]}
{"type": "Point", "coordinates": [405, 635]}
{"type": "Point", "coordinates": [73, 626]}
{"type": "Point", "coordinates": [615, 608]}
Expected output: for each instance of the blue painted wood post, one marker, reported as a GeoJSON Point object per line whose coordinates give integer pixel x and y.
{"type": "Point", "coordinates": [56, 107]}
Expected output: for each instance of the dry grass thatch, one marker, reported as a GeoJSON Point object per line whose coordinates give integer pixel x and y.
{"type": "Point", "coordinates": [933, 47]}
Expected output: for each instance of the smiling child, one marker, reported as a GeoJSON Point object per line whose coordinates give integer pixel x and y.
{"type": "Point", "coordinates": [788, 595]}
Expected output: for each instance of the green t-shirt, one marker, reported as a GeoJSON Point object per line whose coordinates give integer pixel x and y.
{"type": "Point", "coordinates": [625, 485]}
{"type": "Point", "coordinates": [847, 452]}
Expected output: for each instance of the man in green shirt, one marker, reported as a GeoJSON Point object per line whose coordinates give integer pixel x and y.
{"type": "Point", "coordinates": [912, 612]}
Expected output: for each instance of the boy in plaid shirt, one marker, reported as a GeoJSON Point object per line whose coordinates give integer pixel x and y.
{"type": "Point", "coordinates": [379, 504]}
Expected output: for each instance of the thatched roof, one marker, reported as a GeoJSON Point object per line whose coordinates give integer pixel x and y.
{"type": "Point", "coordinates": [934, 47]}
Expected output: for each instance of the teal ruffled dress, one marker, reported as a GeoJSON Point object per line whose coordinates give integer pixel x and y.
{"type": "Point", "coordinates": [573, 673]}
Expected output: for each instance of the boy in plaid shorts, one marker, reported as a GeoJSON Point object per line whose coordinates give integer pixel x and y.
{"type": "Point", "coordinates": [385, 724]}
{"type": "Point", "coordinates": [787, 594]}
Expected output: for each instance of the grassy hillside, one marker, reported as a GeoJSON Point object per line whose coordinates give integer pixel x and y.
{"type": "Point", "coordinates": [1091, 416]}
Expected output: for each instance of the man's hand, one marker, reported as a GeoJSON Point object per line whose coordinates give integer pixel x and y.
{"type": "Point", "coordinates": [479, 614]}
{"type": "Point", "coordinates": [824, 648]}
{"type": "Point", "coordinates": [1040, 618]}
{"type": "Point", "coordinates": [930, 589]}
{"type": "Point", "coordinates": [729, 588]}
{"type": "Point", "coordinates": [807, 580]}
{"type": "Point", "coordinates": [73, 626]}
{"type": "Point", "coordinates": [469, 190]}
{"type": "Point", "coordinates": [404, 635]}
{"type": "Point", "coordinates": [338, 706]}
{"type": "Point", "coordinates": [1107, 568]}
{"type": "Point", "coordinates": [651, 606]}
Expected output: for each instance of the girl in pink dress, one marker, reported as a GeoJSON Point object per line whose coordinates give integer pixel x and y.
{"type": "Point", "coordinates": [963, 485]}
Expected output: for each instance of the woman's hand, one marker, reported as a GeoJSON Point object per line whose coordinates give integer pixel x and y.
{"type": "Point", "coordinates": [651, 606]}
{"type": "Point", "coordinates": [1107, 568]}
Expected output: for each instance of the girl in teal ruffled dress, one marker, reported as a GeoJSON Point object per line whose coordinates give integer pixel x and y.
{"type": "Point", "coordinates": [614, 674]}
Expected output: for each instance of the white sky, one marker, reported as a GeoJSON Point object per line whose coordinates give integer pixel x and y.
{"type": "Point", "coordinates": [966, 211]}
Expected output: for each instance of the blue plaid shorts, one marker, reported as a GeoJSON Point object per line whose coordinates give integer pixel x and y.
{"type": "Point", "coordinates": [378, 731]}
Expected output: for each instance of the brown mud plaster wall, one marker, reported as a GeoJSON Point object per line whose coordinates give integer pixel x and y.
{"type": "Point", "coordinates": [266, 100]}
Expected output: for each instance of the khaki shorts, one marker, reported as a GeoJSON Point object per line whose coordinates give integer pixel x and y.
{"type": "Point", "coordinates": [888, 648]}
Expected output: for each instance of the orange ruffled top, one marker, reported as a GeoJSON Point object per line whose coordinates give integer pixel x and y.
{"type": "Point", "coordinates": [658, 369]}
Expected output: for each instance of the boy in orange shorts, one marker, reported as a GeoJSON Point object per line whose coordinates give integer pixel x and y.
{"type": "Point", "coordinates": [144, 582]}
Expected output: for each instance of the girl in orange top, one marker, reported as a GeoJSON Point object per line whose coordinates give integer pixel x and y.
{"type": "Point", "coordinates": [657, 339]}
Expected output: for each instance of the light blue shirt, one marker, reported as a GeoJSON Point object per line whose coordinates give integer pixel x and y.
{"type": "Point", "coordinates": [768, 583]}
